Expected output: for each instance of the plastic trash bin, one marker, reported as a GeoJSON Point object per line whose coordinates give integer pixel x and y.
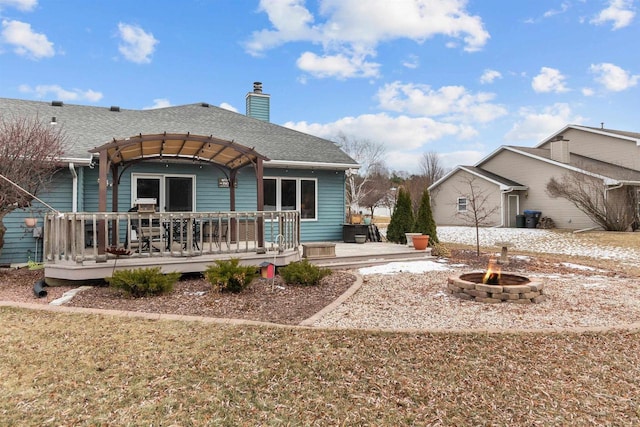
{"type": "Point", "coordinates": [520, 221]}
{"type": "Point", "coordinates": [531, 218]}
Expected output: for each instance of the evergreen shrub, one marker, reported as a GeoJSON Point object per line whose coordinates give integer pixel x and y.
{"type": "Point", "coordinates": [401, 219]}
{"type": "Point", "coordinates": [303, 273]}
{"type": "Point", "coordinates": [142, 282]}
{"type": "Point", "coordinates": [230, 276]}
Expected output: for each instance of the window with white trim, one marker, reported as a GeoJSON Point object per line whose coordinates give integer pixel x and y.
{"type": "Point", "coordinates": [173, 193]}
{"type": "Point", "coordinates": [462, 204]}
{"type": "Point", "coordinates": [292, 194]}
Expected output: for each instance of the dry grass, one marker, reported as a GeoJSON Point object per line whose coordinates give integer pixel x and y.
{"type": "Point", "coordinates": [70, 369]}
{"type": "Point", "coordinates": [63, 369]}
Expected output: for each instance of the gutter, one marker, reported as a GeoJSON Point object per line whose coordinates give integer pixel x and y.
{"type": "Point", "coordinates": [310, 165]}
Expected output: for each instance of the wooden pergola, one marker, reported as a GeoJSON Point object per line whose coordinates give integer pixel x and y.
{"type": "Point", "coordinates": [117, 155]}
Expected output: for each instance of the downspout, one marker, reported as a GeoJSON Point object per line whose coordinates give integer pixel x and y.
{"type": "Point", "coordinates": [74, 186]}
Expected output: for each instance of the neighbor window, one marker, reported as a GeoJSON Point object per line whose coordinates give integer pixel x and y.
{"type": "Point", "coordinates": [291, 194]}
{"type": "Point", "coordinates": [462, 204]}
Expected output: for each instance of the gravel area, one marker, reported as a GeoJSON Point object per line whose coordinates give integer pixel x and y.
{"type": "Point", "coordinates": [579, 296]}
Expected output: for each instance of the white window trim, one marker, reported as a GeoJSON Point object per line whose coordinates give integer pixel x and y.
{"type": "Point", "coordinates": [161, 177]}
{"type": "Point", "coordinates": [466, 203]}
{"type": "Point", "coordinates": [278, 180]}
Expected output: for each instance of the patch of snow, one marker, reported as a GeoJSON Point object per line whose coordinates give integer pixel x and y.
{"type": "Point", "coordinates": [404, 267]}
{"type": "Point", "coordinates": [595, 285]}
{"type": "Point", "coordinates": [577, 266]}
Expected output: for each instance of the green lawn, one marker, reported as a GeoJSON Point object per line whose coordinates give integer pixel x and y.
{"type": "Point", "coordinates": [69, 369]}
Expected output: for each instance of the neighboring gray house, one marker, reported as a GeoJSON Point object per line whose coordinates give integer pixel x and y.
{"type": "Point", "coordinates": [188, 158]}
{"type": "Point", "coordinates": [513, 179]}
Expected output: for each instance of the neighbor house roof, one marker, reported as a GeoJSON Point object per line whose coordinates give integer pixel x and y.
{"type": "Point", "coordinates": [88, 127]}
{"type": "Point", "coordinates": [631, 136]}
{"type": "Point", "coordinates": [582, 164]}
{"type": "Point", "coordinates": [504, 183]}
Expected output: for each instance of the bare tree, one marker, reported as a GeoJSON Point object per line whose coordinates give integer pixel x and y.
{"type": "Point", "coordinates": [28, 151]}
{"type": "Point", "coordinates": [376, 188]}
{"type": "Point", "coordinates": [370, 157]}
{"type": "Point", "coordinates": [431, 167]}
{"type": "Point", "coordinates": [478, 206]}
{"type": "Point", "coordinates": [612, 209]}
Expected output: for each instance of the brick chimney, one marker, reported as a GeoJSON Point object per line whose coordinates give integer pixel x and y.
{"type": "Point", "coordinates": [258, 103]}
{"type": "Point", "coordinates": [560, 149]}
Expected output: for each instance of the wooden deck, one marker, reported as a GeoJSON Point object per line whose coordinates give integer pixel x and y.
{"type": "Point", "coordinates": [348, 256]}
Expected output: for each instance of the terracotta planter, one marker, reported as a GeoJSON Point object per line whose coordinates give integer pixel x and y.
{"type": "Point", "coordinates": [421, 242]}
{"type": "Point", "coordinates": [30, 222]}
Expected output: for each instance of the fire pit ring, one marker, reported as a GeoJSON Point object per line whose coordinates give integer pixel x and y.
{"type": "Point", "coordinates": [511, 288]}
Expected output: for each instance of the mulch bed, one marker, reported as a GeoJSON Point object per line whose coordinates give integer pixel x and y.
{"type": "Point", "coordinates": [264, 300]}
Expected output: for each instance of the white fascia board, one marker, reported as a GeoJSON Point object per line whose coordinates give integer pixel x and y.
{"type": "Point", "coordinates": [595, 131]}
{"type": "Point", "coordinates": [309, 165]}
{"type": "Point", "coordinates": [493, 181]}
{"type": "Point", "coordinates": [444, 178]}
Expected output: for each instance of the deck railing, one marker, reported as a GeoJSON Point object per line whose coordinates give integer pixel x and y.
{"type": "Point", "coordinates": [102, 235]}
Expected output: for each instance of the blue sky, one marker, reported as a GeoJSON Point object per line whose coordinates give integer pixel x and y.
{"type": "Point", "coordinates": [456, 77]}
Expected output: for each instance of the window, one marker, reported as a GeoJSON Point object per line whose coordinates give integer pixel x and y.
{"type": "Point", "coordinates": [291, 194]}
{"type": "Point", "coordinates": [462, 204]}
{"type": "Point", "coordinates": [173, 193]}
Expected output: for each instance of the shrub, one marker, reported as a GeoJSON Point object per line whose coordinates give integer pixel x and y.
{"type": "Point", "coordinates": [142, 282]}
{"type": "Point", "coordinates": [230, 276]}
{"type": "Point", "coordinates": [424, 220]}
{"type": "Point", "coordinates": [304, 273]}
{"type": "Point", "coordinates": [402, 219]}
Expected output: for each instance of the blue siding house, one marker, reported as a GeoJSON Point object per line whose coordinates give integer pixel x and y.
{"type": "Point", "coordinates": [188, 159]}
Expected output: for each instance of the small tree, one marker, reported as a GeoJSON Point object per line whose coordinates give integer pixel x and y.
{"type": "Point", "coordinates": [479, 209]}
{"type": "Point", "coordinates": [425, 223]}
{"type": "Point", "coordinates": [402, 218]}
{"type": "Point", "coordinates": [613, 210]}
{"type": "Point", "coordinates": [28, 150]}
{"type": "Point", "coordinates": [370, 156]}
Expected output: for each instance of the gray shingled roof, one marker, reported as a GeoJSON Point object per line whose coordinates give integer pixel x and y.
{"type": "Point", "coordinates": [492, 176]}
{"type": "Point", "coordinates": [88, 127]}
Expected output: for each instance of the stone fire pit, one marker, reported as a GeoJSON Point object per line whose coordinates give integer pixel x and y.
{"type": "Point", "coordinates": [507, 288]}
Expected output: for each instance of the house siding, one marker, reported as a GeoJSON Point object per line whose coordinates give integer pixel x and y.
{"type": "Point", "coordinates": [19, 244]}
{"type": "Point", "coordinates": [606, 148]}
{"type": "Point", "coordinates": [535, 174]}
{"type": "Point", "coordinates": [445, 196]}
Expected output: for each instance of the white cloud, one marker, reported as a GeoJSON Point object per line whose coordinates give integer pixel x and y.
{"type": "Point", "coordinates": [536, 125]}
{"type": "Point", "coordinates": [26, 42]}
{"type": "Point", "coordinates": [549, 80]}
{"type": "Point", "coordinates": [158, 103]}
{"type": "Point", "coordinates": [411, 62]}
{"type": "Point", "coordinates": [612, 77]}
{"type": "Point", "coordinates": [57, 92]}
{"type": "Point", "coordinates": [449, 102]}
{"type": "Point", "coordinates": [24, 5]}
{"type": "Point", "coordinates": [587, 91]}
{"type": "Point", "coordinates": [488, 76]}
{"type": "Point", "coordinates": [353, 28]}
{"type": "Point", "coordinates": [405, 138]}
{"type": "Point", "coordinates": [552, 12]}
{"type": "Point", "coordinates": [463, 157]}
{"type": "Point", "coordinates": [229, 107]}
{"type": "Point", "coordinates": [339, 66]}
{"type": "Point", "coordinates": [619, 12]}
{"type": "Point", "coordinates": [137, 45]}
